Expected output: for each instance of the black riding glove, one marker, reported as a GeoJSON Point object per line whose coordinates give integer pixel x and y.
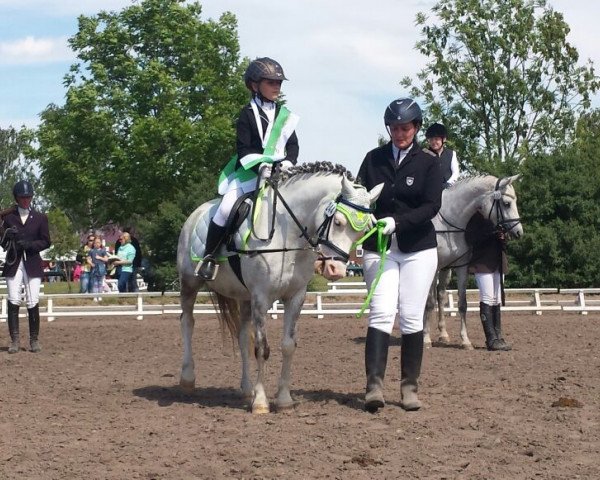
{"type": "Point", "coordinates": [25, 244]}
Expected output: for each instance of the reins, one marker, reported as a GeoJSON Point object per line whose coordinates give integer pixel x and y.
{"type": "Point", "coordinates": [8, 239]}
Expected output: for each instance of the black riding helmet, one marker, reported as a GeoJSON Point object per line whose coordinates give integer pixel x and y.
{"type": "Point", "coordinates": [403, 110]}
{"type": "Point", "coordinates": [436, 130]}
{"type": "Point", "coordinates": [23, 189]}
{"type": "Point", "coordinates": [263, 67]}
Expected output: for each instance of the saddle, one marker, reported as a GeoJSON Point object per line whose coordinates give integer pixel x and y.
{"type": "Point", "coordinates": [237, 218]}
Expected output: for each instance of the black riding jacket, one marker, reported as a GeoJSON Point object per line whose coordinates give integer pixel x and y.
{"type": "Point", "coordinates": [412, 194]}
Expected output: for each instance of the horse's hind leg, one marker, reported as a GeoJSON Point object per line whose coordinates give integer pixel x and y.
{"type": "Point", "coordinates": [189, 289]}
{"type": "Point", "coordinates": [244, 340]}
{"type": "Point", "coordinates": [288, 347]}
{"type": "Point", "coordinates": [427, 314]}
{"type": "Point", "coordinates": [461, 280]}
{"type": "Point", "coordinates": [443, 280]}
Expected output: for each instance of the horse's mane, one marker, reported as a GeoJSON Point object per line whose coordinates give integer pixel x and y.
{"type": "Point", "coordinates": [468, 179]}
{"type": "Point", "coordinates": [318, 167]}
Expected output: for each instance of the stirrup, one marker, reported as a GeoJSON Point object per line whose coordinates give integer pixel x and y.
{"type": "Point", "coordinates": [207, 268]}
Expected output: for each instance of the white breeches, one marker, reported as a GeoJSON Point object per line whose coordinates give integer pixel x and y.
{"type": "Point", "coordinates": [404, 284]}
{"type": "Point", "coordinates": [226, 205]}
{"type": "Point", "coordinates": [32, 287]}
{"type": "Point", "coordinates": [490, 288]}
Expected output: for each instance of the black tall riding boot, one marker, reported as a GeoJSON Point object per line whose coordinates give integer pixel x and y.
{"type": "Point", "coordinates": [214, 237]}
{"type": "Point", "coordinates": [13, 327]}
{"type": "Point", "coordinates": [491, 338]}
{"type": "Point", "coordinates": [376, 352]}
{"type": "Point", "coordinates": [34, 328]}
{"type": "Point", "coordinates": [411, 357]}
{"type": "Point", "coordinates": [497, 322]}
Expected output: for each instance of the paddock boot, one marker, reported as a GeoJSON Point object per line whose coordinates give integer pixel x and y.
{"type": "Point", "coordinates": [13, 327]}
{"type": "Point", "coordinates": [214, 237]}
{"type": "Point", "coordinates": [491, 338]}
{"type": "Point", "coordinates": [376, 352]}
{"type": "Point", "coordinates": [497, 322]}
{"type": "Point", "coordinates": [411, 357]}
{"type": "Point", "coordinates": [34, 328]}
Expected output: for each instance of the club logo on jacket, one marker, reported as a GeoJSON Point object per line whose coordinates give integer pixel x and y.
{"type": "Point", "coordinates": [410, 181]}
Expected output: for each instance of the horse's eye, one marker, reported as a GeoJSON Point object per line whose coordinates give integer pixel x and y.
{"type": "Point", "coordinates": [507, 204]}
{"type": "Point", "coordinates": [337, 222]}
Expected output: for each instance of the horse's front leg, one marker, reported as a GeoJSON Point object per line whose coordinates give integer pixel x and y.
{"type": "Point", "coordinates": [244, 341]}
{"type": "Point", "coordinates": [292, 308]}
{"type": "Point", "coordinates": [461, 281]}
{"type": "Point", "coordinates": [189, 289]}
{"type": "Point", "coordinates": [443, 280]}
{"type": "Point", "coordinates": [260, 402]}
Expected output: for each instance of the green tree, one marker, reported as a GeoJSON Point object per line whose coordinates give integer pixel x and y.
{"type": "Point", "coordinates": [150, 107]}
{"type": "Point", "coordinates": [559, 203]}
{"type": "Point", "coordinates": [161, 232]}
{"type": "Point", "coordinates": [64, 240]}
{"type": "Point", "coordinates": [503, 78]}
{"type": "Point", "coordinates": [15, 145]}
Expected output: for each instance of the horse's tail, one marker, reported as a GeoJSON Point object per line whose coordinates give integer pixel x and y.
{"type": "Point", "coordinates": [228, 312]}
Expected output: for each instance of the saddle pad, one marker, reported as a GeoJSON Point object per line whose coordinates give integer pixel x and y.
{"type": "Point", "coordinates": [198, 235]}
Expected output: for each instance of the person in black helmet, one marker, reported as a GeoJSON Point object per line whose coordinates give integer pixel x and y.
{"type": "Point", "coordinates": [265, 134]}
{"type": "Point", "coordinates": [411, 197]}
{"type": "Point", "coordinates": [29, 236]}
{"type": "Point", "coordinates": [436, 136]}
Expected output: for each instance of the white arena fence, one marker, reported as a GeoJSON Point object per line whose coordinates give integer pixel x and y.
{"type": "Point", "coordinates": [341, 298]}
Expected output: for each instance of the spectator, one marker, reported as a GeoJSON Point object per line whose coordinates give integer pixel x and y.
{"type": "Point", "coordinates": [126, 254]}
{"type": "Point", "coordinates": [77, 271]}
{"type": "Point", "coordinates": [98, 257]}
{"type": "Point", "coordinates": [137, 261]}
{"type": "Point", "coordinates": [85, 285]}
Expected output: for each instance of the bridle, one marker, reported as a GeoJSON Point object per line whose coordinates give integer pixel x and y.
{"type": "Point", "coordinates": [502, 222]}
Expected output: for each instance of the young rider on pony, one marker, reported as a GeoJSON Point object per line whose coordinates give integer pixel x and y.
{"type": "Point", "coordinates": [265, 134]}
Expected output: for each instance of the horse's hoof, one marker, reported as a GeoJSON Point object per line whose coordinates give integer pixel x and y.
{"type": "Point", "coordinates": [187, 385]}
{"type": "Point", "coordinates": [467, 346]}
{"type": "Point", "coordinates": [285, 406]}
{"type": "Point", "coordinates": [260, 409]}
{"type": "Point", "coordinates": [427, 344]}
{"type": "Point", "coordinates": [444, 340]}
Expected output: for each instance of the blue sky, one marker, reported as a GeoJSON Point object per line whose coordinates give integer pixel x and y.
{"type": "Point", "coordinates": [344, 59]}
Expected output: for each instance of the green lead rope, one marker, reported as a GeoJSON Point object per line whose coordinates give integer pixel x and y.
{"type": "Point", "coordinates": [382, 250]}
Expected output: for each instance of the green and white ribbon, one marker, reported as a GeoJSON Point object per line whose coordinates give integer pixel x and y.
{"type": "Point", "coordinates": [382, 241]}
{"type": "Point", "coordinates": [274, 150]}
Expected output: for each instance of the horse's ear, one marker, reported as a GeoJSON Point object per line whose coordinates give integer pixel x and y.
{"type": "Point", "coordinates": [375, 192]}
{"type": "Point", "coordinates": [347, 188]}
{"type": "Point", "coordinates": [506, 181]}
